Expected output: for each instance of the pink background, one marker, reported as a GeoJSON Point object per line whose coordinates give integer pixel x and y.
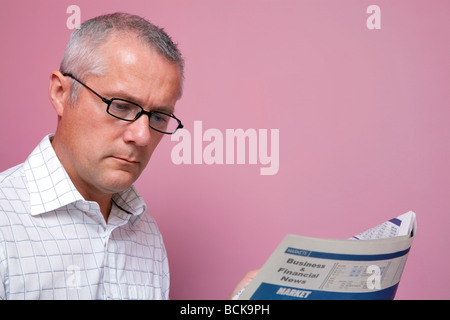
{"type": "Point", "coordinates": [363, 118]}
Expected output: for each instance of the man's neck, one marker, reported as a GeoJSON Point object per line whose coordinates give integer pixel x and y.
{"type": "Point", "coordinates": [105, 207]}
{"type": "Point", "coordinates": [104, 201]}
{"type": "Point", "coordinates": [86, 191]}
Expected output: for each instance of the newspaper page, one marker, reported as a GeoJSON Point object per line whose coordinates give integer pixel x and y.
{"type": "Point", "coordinates": [326, 269]}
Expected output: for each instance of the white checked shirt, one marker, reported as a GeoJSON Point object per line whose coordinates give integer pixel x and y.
{"type": "Point", "coordinates": [56, 245]}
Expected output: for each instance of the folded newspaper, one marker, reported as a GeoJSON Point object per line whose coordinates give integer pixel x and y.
{"type": "Point", "coordinates": [325, 269]}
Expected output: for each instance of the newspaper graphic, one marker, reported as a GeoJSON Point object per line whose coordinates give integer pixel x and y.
{"type": "Point", "coordinates": [324, 269]}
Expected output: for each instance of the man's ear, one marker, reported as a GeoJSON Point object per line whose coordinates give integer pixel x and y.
{"type": "Point", "coordinates": [59, 91]}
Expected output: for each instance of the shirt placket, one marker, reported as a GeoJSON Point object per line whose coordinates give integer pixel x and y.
{"type": "Point", "coordinates": [110, 280]}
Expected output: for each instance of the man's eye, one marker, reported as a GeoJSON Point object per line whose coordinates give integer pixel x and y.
{"type": "Point", "coordinates": [160, 118]}
{"type": "Point", "coordinates": [123, 110]}
{"type": "Point", "coordinates": [120, 106]}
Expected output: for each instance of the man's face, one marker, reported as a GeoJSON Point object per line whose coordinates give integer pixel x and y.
{"type": "Point", "coordinates": [105, 154]}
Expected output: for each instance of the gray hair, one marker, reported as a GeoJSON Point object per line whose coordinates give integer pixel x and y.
{"type": "Point", "coordinates": [82, 55]}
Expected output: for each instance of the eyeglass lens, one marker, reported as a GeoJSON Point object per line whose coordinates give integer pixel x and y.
{"type": "Point", "coordinates": [128, 111]}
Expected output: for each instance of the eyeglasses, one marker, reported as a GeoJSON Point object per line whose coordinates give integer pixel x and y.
{"type": "Point", "coordinates": [130, 111]}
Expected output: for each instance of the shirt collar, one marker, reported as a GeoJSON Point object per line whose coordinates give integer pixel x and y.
{"type": "Point", "coordinates": [50, 186]}
{"type": "Point", "coordinates": [130, 201]}
{"type": "Point", "coordinates": [48, 183]}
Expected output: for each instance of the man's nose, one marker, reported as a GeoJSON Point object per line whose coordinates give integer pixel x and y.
{"type": "Point", "coordinates": [139, 131]}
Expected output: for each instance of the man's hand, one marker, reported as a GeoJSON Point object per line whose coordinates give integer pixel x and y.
{"type": "Point", "coordinates": [244, 282]}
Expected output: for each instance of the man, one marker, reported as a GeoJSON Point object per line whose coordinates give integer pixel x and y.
{"type": "Point", "coordinates": [72, 226]}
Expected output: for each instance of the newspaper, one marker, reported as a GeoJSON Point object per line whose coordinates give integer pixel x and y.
{"type": "Point", "coordinates": [327, 269]}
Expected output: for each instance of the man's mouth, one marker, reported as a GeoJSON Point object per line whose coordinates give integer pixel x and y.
{"type": "Point", "coordinates": [125, 160]}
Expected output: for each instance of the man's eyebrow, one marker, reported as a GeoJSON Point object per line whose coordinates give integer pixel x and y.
{"type": "Point", "coordinates": [168, 110]}
{"type": "Point", "coordinates": [127, 97]}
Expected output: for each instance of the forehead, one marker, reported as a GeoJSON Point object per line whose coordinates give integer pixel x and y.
{"type": "Point", "coordinates": [139, 71]}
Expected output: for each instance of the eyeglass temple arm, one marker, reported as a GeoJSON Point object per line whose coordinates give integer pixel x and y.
{"type": "Point", "coordinates": [73, 77]}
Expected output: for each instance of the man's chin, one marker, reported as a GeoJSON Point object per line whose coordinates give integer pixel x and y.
{"type": "Point", "coordinates": [119, 184]}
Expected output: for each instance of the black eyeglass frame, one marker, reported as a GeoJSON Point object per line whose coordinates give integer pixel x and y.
{"type": "Point", "coordinates": [108, 102]}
